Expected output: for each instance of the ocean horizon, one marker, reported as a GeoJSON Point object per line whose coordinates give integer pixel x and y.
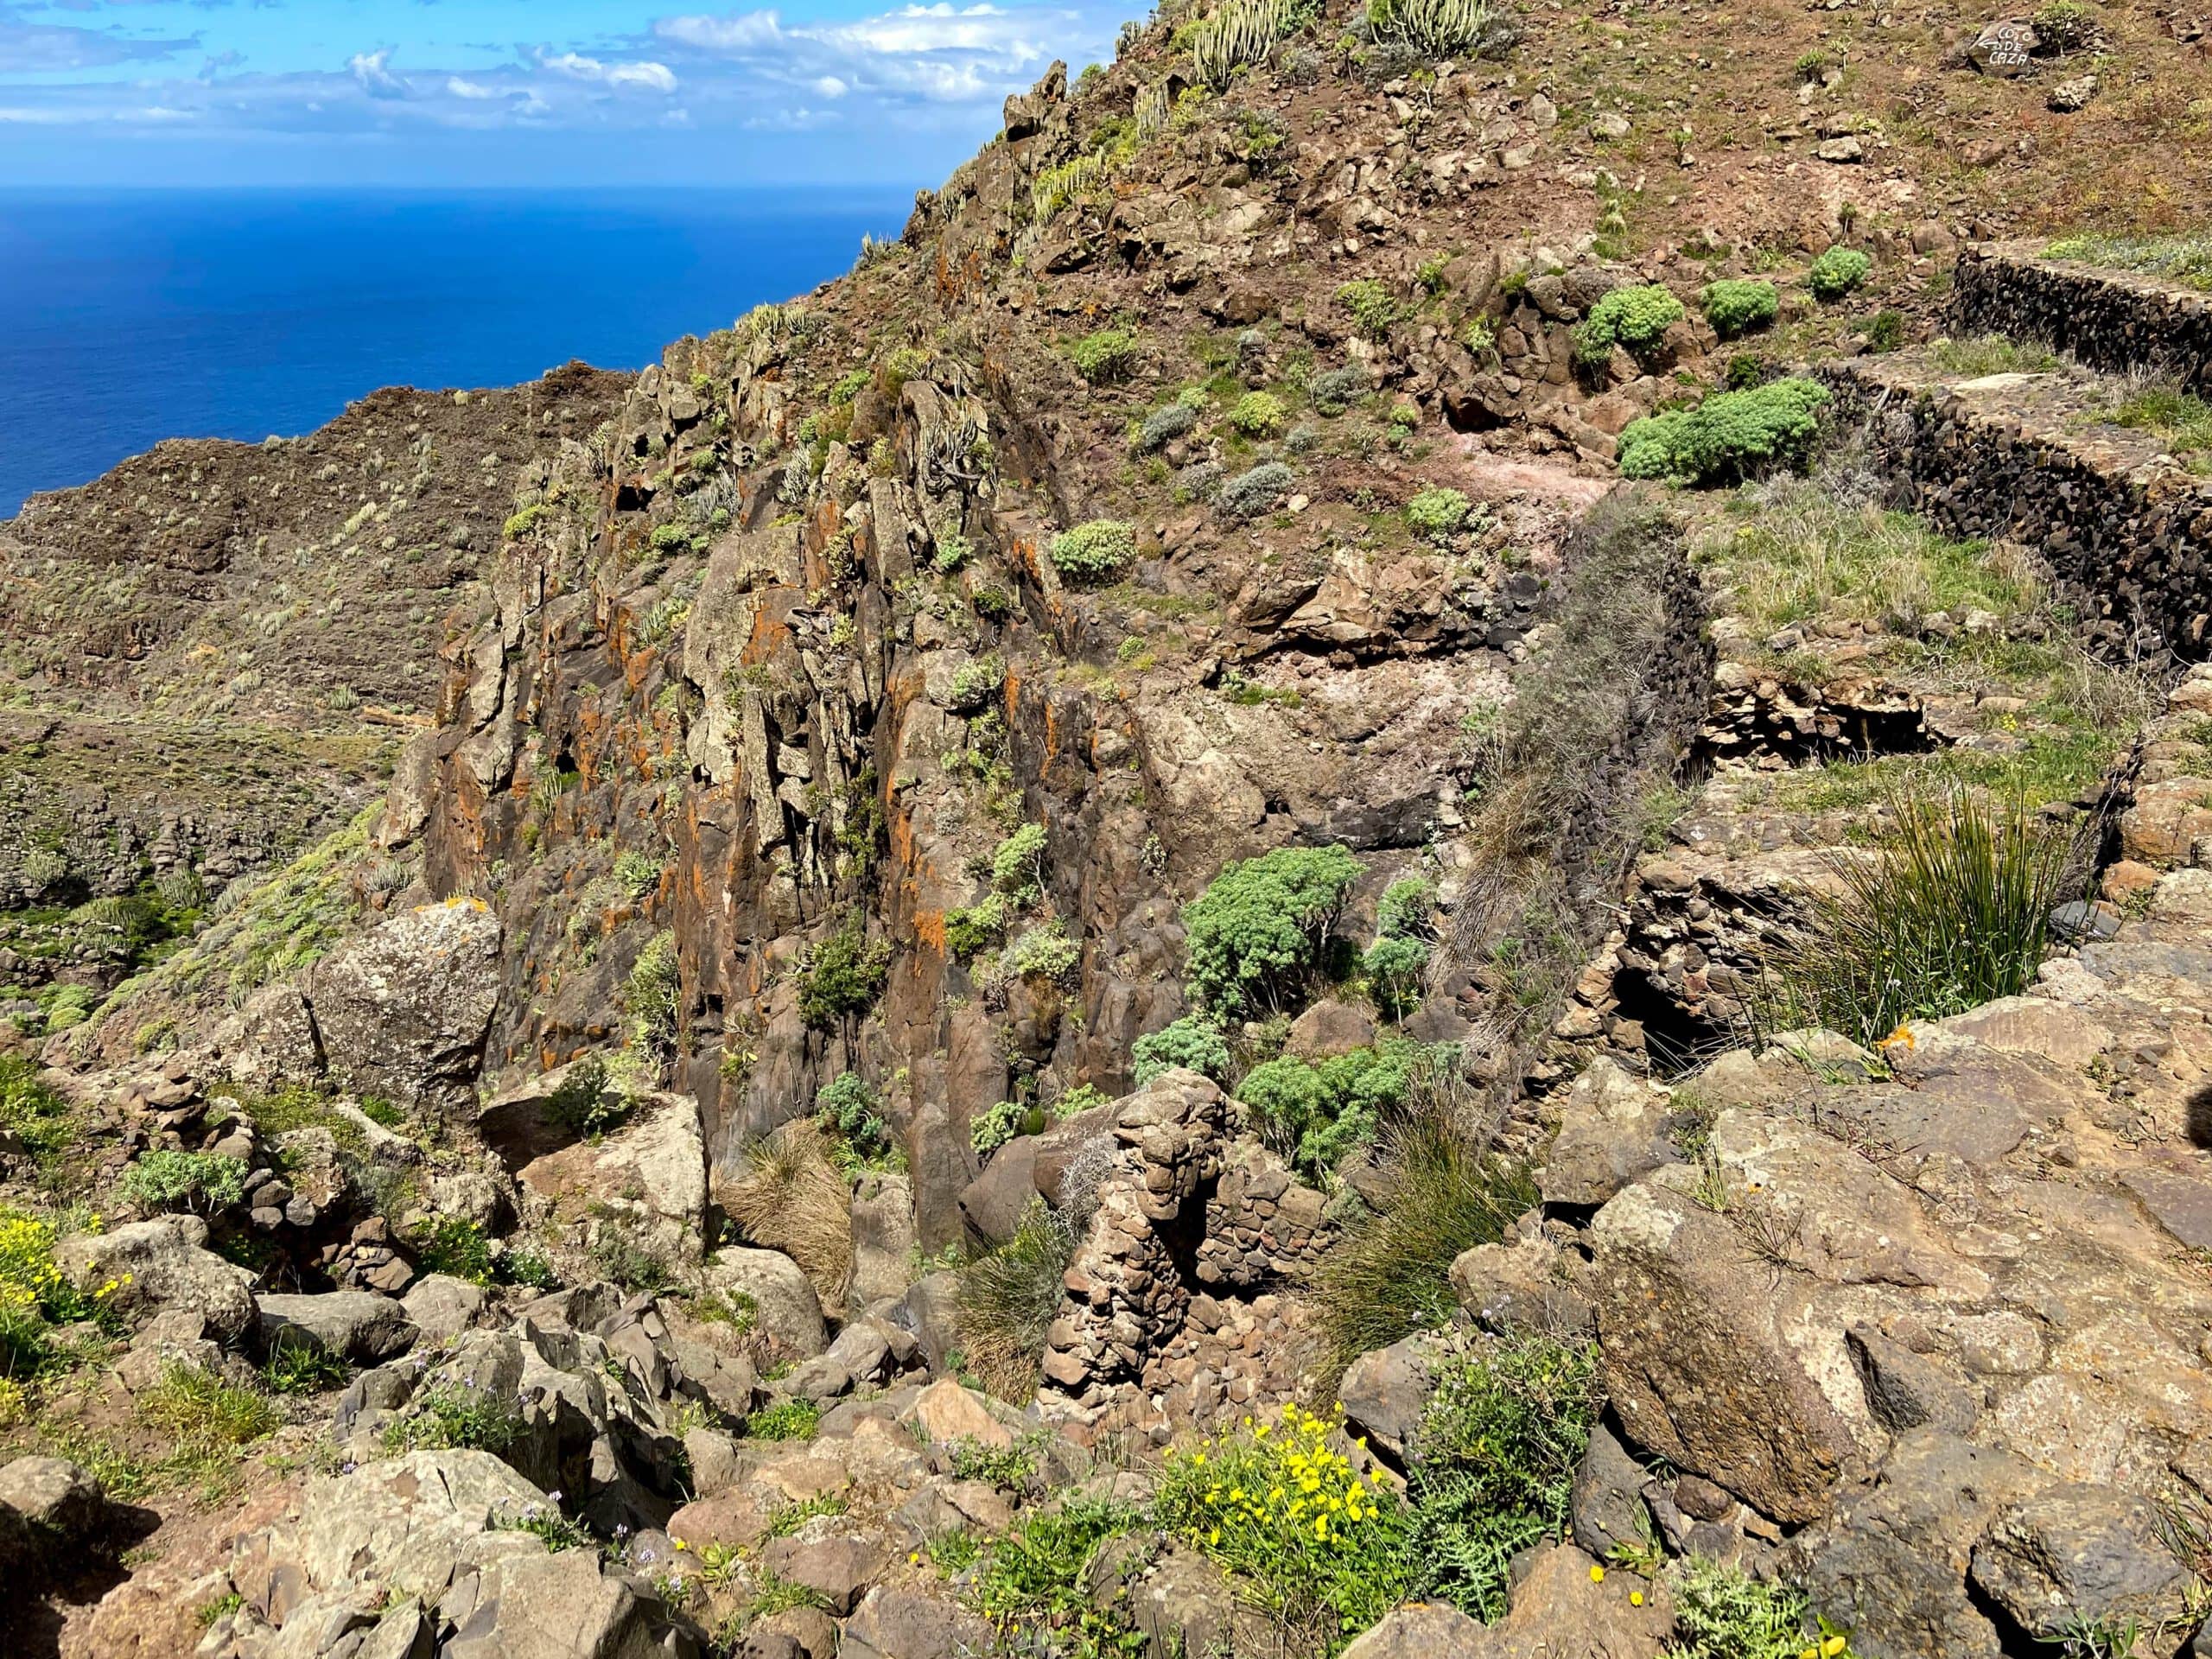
{"type": "Point", "coordinates": [129, 317]}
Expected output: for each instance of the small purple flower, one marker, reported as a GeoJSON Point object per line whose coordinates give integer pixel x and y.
{"type": "Point", "coordinates": [647, 1555]}
{"type": "Point", "coordinates": [555, 1496]}
{"type": "Point", "coordinates": [622, 1529]}
{"type": "Point", "coordinates": [347, 1467]}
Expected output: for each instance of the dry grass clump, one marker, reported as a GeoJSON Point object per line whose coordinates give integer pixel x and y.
{"type": "Point", "coordinates": [1807, 549]}
{"type": "Point", "coordinates": [791, 1199]}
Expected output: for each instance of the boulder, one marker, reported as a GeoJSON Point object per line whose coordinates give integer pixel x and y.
{"type": "Point", "coordinates": [648, 1179]}
{"type": "Point", "coordinates": [442, 1306]}
{"type": "Point", "coordinates": [1613, 1130]}
{"type": "Point", "coordinates": [1385, 1392]}
{"type": "Point", "coordinates": [355, 1326]}
{"type": "Point", "coordinates": [50, 1509]}
{"type": "Point", "coordinates": [1327, 1029]}
{"type": "Point", "coordinates": [945, 1412]}
{"type": "Point", "coordinates": [2074, 1553]}
{"type": "Point", "coordinates": [784, 1307]}
{"type": "Point", "coordinates": [403, 1011]}
{"type": "Point", "coordinates": [1891, 1563]}
{"type": "Point", "coordinates": [1526, 1285]}
{"type": "Point", "coordinates": [884, 1242]}
{"type": "Point", "coordinates": [912, 1624]}
{"type": "Point", "coordinates": [1607, 1506]}
{"type": "Point", "coordinates": [838, 1569]}
{"type": "Point", "coordinates": [2005, 48]}
{"type": "Point", "coordinates": [994, 1203]}
{"type": "Point", "coordinates": [1700, 1356]}
{"type": "Point", "coordinates": [1428, 1632]}
{"type": "Point", "coordinates": [161, 1265]}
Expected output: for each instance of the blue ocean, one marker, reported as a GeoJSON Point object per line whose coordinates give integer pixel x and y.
{"type": "Point", "coordinates": [130, 317]}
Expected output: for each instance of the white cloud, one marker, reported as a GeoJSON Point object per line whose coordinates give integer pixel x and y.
{"type": "Point", "coordinates": [371, 69]}
{"type": "Point", "coordinates": [469, 89]}
{"type": "Point", "coordinates": [652, 77]}
{"type": "Point", "coordinates": [933, 54]}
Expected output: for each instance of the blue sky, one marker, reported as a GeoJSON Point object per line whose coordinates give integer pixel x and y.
{"type": "Point", "coordinates": [651, 93]}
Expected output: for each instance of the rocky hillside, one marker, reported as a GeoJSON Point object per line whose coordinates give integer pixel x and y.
{"type": "Point", "coordinates": [1403, 856]}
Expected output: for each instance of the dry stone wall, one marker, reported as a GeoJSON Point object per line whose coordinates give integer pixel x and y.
{"type": "Point", "coordinates": [2113, 321]}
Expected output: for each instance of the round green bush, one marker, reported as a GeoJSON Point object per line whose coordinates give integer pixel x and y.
{"type": "Point", "coordinates": [1256, 415]}
{"type": "Point", "coordinates": [1262, 927]}
{"type": "Point", "coordinates": [1105, 355]}
{"type": "Point", "coordinates": [1836, 272]}
{"type": "Point", "coordinates": [1736, 307]}
{"type": "Point", "coordinates": [1634, 317]}
{"type": "Point", "coordinates": [1193, 1041]}
{"type": "Point", "coordinates": [1731, 434]}
{"type": "Point", "coordinates": [1438, 512]}
{"type": "Point", "coordinates": [1095, 552]}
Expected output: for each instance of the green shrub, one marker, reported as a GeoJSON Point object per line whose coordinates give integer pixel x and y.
{"type": "Point", "coordinates": [1836, 272]}
{"type": "Point", "coordinates": [637, 873]}
{"type": "Point", "coordinates": [586, 1103]}
{"type": "Point", "coordinates": [1105, 355]}
{"type": "Point", "coordinates": [1374, 311]}
{"type": "Point", "coordinates": [847, 1108]}
{"type": "Point", "coordinates": [1034, 1584]}
{"type": "Point", "coordinates": [1951, 912]}
{"type": "Point", "coordinates": [1491, 1464]}
{"type": "Point", "coordinates": [1256, 415]}
{"type": "Point", "coordinates": [1395, 968]}
{"type": "Point", "coordinates": [975, 683]}
{"type": "Point", "coordinates": [649, 996]}
{"type": "Point", "coordinates": [1334, 390]}
{"type": "Point", "coordinates": [1722, 1613]}
{"type": "Point", "coordinates": [787, 1420]}
{"type": "Point", "coordinates": [1437, 514]}
{"type": "Point", "coordinates": [1094, 553]}
{"type": "Point", "coordinates": [2063, 25]}
{"type": "Point", "coordinates": [457, 1246]}
{"type": "Point", "coordinates": [954, 553]}
{"type": "Point", "coordinates": [1402, 911]}
{"type": "Point", "coordinates": [35, 1296]}
{"type": "Point", "coordinates": [994, 1125]}
{"type": "Point", "coordinates": [1732, 435]}
{"type": "Point", "coordinates": [525, 521]}
{"type": "Point", "coordinates": [1634, 317]}
{"type": "Point", "coordinates": [1301, 1533]}
{"type": "Point", "coordinates": [1316, 1113]}
{"type": "Point", "coordinates": [1045, 952]}
{"type": "Point", "coordinates": [975, 927]}
{"type": "Point", "coordinates": [302, 1368]}
{"type": "Point", "coordinates": [1009, 1297]}
{"type": "Point", "coordinates": [202, 1181]}
{"type": "Point", "coordinates": [35, 1114]}
{"type": "Point", "coordinates": [1258, 490]}
{"type": "Point", "coordinates": [1390, 1275]}
{"type": "Point", "coordinates": [1264, 927]}
{"type": "Point", "coordinates": [1886, 331]}
{"type": "Point", "coordinates": [1194, 1041]}
{"type": "Point", "coordinates": [843, 975]}
{"type": "Point", "coordinates": [1018, 863]}
{"type": "Point", "coordinates": [1736, 307]}
{"type": "Point", "coordinates": [1163, 426]}
{"type": "Point", "coordinates": [454, 1416]}
{"type": "Point", "coordinates": [1441, 29]}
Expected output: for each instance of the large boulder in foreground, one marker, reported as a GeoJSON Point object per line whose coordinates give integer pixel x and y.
{"type": "Point", "coordinates": [162, 1265]}
{"type": "Point", "coordinates": [400, 1013]}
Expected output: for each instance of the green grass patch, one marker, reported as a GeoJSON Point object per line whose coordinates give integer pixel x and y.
{"type": "Point", "coordinates": [2185, 259]}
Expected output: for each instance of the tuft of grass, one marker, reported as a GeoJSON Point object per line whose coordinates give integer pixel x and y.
{"type": "Point", "coordinates": [1951, 912]}
{"type": "Point", "coordinates": [787, 1420]}
{"type": "Point", "coordinates": [2175, 418]}
{"type": "Point", "coordinates": [1390, 1275]}
{"type": "Point", "coordinates": [1801, 552]}
{"type": "Point", "coordinates": [302, 1368]}
{"type": "Point", "coordinates": [453, 1416]}
{"type": "Point", "coordinates": [210, 1421]}
{"type": "Point", "coordinates": [2185, 259]}
{"type": "Point", "coordinates": [791, 1199]}
{"type": "Point", "coordinates": [1008, 1300]}
{"type": "Point", "coordinates": [1991, 354]}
